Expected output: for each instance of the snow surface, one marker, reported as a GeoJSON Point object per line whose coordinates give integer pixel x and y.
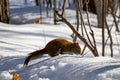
{"type": "Point", "coordinates": [16, 41]}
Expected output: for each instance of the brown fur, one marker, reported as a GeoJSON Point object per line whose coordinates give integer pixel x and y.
{"type": "Point", "coordinates": [53, 47]}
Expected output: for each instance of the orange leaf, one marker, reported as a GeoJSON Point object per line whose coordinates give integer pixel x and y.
{"type": "Point", "coordinates": [16, 76]}
{"type": "Point", "coordinates": [37, 21]}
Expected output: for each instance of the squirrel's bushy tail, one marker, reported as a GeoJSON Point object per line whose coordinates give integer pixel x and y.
{"type": "Point", "coordinates": [33, 55]}
{"type": "Point", "coordinates": [27, 60]}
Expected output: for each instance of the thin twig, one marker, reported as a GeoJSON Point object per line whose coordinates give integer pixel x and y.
{"type": "Point", "coordinates": [84, 26]}
{"type": "Point", "coordinates": [92, 32]}
{"type": "Point", "coordinates": [83, 50]}
{"type": "Point", "coordinates": [111, 41]}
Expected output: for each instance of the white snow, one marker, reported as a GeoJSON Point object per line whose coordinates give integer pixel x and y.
{"type": "Point", "coordinates": [5, 75]}
{"type": "Point", "coordinates": [17, 41]}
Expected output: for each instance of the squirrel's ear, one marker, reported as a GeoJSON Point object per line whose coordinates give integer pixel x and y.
{"type": "Point", "coordinates": [76, 43]}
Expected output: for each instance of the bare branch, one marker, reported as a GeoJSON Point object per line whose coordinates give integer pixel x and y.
{"type": "Point", "coordinates": [63, 7]}
{"type": "Point", "coordinates": [78, 35]}
{"type": "Point", "coordinates": [111, 41]}
{"type": "Point", "coordinates": [92, 33]}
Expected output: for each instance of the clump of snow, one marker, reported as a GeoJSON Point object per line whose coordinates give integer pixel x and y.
{"type": "Point", "coordinates": [52, 68]}
{"type": "Point", "coordinates": [43, 79]}
{"type": "Point", "coordinates": [5, 75]}
{"type": "Point", "coordinates": [62, 64]}
{"type": "Point", "coordinates": [19, 66]}
{"type": "Point", "coordinates": [34, 77]}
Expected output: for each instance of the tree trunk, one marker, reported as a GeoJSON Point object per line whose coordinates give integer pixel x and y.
{"type": "Point", "coordinates": [103, 26]}
{"type": "Point", "coordinates": [37, 2]}
{"type": "Point", "coordinates": [4, 11]}
{"type": "Point", "coordinates": [25, 2]}
{"type": "Point", "coordinates": [98, 4]}
{"type": "Point", "coordinates": [55, 12]}
{"type": "Point", "coordinates": [47, 3]}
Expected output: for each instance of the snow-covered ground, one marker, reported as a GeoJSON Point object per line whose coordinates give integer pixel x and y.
{"type": "Point", "coordinates": [16, 41]}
